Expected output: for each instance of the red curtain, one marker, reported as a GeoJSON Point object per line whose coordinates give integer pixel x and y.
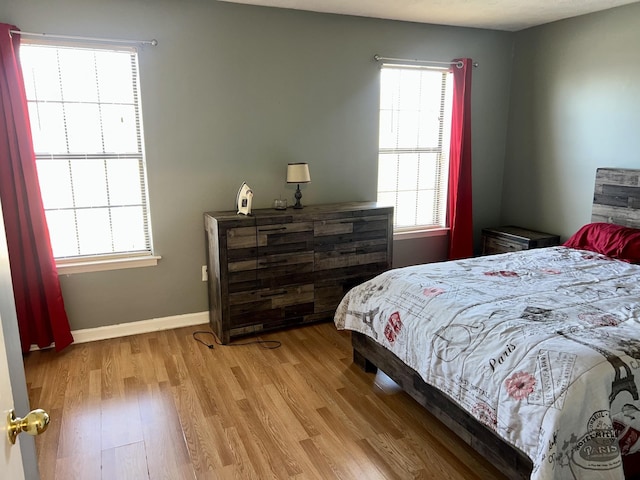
{"type": "Point", "coordinates": [42, 319]}
{"type": "Point", "coordinates": [459, 207]}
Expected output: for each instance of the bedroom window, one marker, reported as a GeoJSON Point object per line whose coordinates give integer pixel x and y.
{"type": "Point", "coordinates": [86, 122]}
{"type": "Point", "coordinates": [413, 155]}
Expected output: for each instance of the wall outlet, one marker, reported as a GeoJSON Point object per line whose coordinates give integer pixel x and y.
{"type": "Point", "coordinates": [205, 273]}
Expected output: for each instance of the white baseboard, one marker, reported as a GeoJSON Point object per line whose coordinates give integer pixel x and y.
{"type": "Point", "coordinates": [142, 326]}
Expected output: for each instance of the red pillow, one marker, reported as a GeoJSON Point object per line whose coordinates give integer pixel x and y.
{"type": "Point", "coordinates": [612, 240]}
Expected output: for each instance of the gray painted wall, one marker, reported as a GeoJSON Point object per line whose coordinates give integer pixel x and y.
{"type": "Point", "coordinates": [575, 106]}
{"type": "Point", "coordinates": [414, 251]}
{"type": "Point", "coordinates": [234, 92]}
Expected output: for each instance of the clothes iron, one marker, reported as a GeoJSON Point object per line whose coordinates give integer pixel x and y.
{"type": "Point", "coordinates": [243, 199]}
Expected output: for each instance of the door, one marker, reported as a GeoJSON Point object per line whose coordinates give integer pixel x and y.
{"type": "Point", "coordinates": [19, 460]}
{"type": "Point", "coordinates": [11, 461]}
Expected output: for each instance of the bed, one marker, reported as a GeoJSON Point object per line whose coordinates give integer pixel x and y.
{"type": "Point", "coordinates": [532, 357]}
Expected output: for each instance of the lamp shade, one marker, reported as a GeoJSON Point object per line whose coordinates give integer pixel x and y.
{"type": "Point", "coordinates": [298, 173]}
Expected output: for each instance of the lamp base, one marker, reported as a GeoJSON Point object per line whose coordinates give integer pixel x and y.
{"type": "Point", "coordinates": [298, 196]}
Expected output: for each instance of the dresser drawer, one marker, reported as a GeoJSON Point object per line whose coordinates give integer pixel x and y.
{"type": "Point", "coordinates": [350, 228]}
{"type": "Point", "coordinates": [492, 245]}
{"type": "Point", "coordinates": [292, 270]}
{"type": "Point", "coordinates": [247, 242]}
{"type": "Point", "coordinates": [267, 306]}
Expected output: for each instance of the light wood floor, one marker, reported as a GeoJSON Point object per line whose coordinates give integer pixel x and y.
{"type": "Point", "coordinates": [162, 406]}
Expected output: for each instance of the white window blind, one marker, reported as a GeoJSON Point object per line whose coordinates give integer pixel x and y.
{"type": "Point", "coordinates": [413, 156]}
{"type": "Point", "coordinates": [84, 107]}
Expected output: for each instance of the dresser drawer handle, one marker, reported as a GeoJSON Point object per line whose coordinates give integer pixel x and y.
{"type": "Point", "coordinates": [273, 294]}
{"type": "Point", "coordinates": [274, 229]}
{"type": "Point", "coordinates": [273, 262]}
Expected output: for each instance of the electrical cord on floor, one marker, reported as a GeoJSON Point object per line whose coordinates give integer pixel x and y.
{"type": "Point", "coordinates": [267, 344]}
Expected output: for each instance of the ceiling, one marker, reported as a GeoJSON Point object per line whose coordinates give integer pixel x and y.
{"type": "Point", "coordinates": [509, 15]}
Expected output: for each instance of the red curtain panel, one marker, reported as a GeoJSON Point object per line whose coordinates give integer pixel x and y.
{"type": "Point", "coordinates": [42, 318]}
{"type": "Point", "coordinates": [459, 211]}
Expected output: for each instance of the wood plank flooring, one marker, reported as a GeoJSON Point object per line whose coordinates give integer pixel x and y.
{"type": "Point", "coordinates": [163, 406]}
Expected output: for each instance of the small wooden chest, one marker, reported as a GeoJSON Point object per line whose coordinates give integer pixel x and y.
{"type": "Point", "coordinates": [510, 238]}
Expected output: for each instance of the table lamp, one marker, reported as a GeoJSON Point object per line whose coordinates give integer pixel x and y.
{"type": "Point", "coordinates": [298, 173]}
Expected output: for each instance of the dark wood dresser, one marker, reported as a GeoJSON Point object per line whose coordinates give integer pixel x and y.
{"type": "Point", "coordinates": [510, 238]}
{"type": "Point", "coordinates": [279, 268]}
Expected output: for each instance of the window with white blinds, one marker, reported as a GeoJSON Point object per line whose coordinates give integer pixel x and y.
{"type": "Point", "coordinates": [413, 156]}
{"type": "Point", "coordinates": [84, 107]}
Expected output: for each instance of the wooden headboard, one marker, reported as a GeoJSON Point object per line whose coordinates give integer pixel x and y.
{"type": "Point", "coordinates": [616, 197]}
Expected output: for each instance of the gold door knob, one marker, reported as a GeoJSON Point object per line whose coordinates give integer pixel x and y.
{"type": "Point", "coordinates": [34, 423]}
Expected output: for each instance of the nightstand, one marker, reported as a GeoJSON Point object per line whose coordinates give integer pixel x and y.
{"type": "Point", "coordinates": [510, 238]}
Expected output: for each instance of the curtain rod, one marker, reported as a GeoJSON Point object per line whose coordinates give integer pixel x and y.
{"type": "Point", "coordinates": [458, 64]}
{"type": "Point", "coordinates": [153, 42]}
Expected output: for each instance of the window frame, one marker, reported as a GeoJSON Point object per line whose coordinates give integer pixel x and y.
{"type": "Point", "coordinates": [442, 150]}
{"type": "Point", "coordinates": [117, 259]}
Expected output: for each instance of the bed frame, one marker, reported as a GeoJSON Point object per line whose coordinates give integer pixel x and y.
{"type": "Point", "coordinates": [616, 200]}
{"type": "Point", "coordinates": [368, 355]}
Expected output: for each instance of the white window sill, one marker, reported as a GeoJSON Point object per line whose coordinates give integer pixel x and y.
{"type": "Point", "coordinates": [97, 264]}
{"type": "Point", "coordinates": [431, 232]}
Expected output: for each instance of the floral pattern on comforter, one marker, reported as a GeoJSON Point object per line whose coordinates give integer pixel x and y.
{"type": "Point", "coordinates": [543, 346]}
